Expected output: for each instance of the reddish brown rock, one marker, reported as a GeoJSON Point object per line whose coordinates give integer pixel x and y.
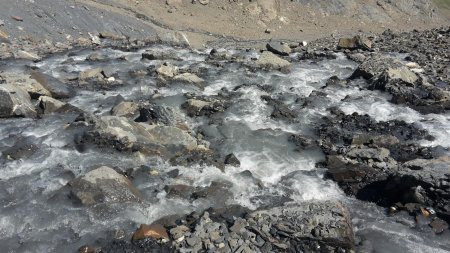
{"type": "Point", "coordinates": [154, 231]}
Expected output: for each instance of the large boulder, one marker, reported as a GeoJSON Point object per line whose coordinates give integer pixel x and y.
{"type": "Point", "coordinates": [123, 134]}
{"type": "Point", "coordinates": [15, 102]}
{"type": "Point", "coordinates": [271, 61]}
{"type": "Point", "coordinates": [56, 88]}
{"type": "Point", "coordinates": [104, 186]}
{"type": "Point", "coordinates": [24, 81]}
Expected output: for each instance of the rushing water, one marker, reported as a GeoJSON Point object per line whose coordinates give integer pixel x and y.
{"type": "Point", "coordinates": [37, 216]}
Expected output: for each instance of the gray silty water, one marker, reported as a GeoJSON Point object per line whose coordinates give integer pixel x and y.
{"type": "Point", "coordinates": [37, 214]}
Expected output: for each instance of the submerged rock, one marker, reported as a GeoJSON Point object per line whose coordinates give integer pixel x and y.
{"type": "Point", "coordinates": [103, 186]}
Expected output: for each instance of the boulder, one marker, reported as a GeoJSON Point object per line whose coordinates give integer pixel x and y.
{"type": "Point", "coordinates": [15, 102]}
{"type": "Point", "coordinates": [104, 186]}
{"type": "Point", "coordinates": [271, 61]}
{"type": "Point", "coordinates": [96, 73]}
{"type": "Point", "coordinates": [123, 134]}
{"type": "Point", "coordinates": [24, 81]}
{"type": "Point", "coordinates": [56, 88]}
{"type": "Point", "coordinates": [204, 107]}
{"type": "Point", "coordinates": [49, 104]}
{"type": "Point", "coordinates": [125, 109]}
{"type": "Point", "coordinates": [167, 70]}
{"type": "Point", "coordinates": [190, 78]}
{"type": "Point", "coordinates": [162, 115]}
{"type": "Point", "coordinates": [356, 42]}
{"type": "Point", "coordinates": [279, 48]}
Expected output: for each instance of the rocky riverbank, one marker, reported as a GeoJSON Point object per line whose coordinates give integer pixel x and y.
{"type": "Point", "coordinates": [225, 150]}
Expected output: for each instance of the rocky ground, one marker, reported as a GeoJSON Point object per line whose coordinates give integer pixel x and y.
{"type": "Point", "coordinates": [400, 165]}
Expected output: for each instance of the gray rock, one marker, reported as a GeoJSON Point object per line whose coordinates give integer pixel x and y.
{"type": "Point", "coordinates": [15, 102]}
{"type": "Point", "coordinates": [49, 104]}
{"type": "Point", "coordinates": [123, 134]}
{"type": "Point", "coordinates": [190, 78]}
{"type": "Point", "coordinates": [103, 186]}
{"type": "Point", "coordinates": [96, 73]}
{"type": "Point", "coordinates": [56, 88]}
{"type": "Point", "coordinates": [167, 70]}
{"type": "Point", "coordinates": [379, 154]}
{"type": "Point", "coordinates": [356, 42]}
{"type": "Point", "coordinates": [125, 109]}
{"type": "Point", "coordinates": [21, 54]}
{"type": "Point", "coordinates": [271, 61]}
{"type": "Point", "coordinates": [24, 81]}
{"type": "Point", "coordinates": [278, 48]}
{"type": "Point", "coordinates": [328, 223]}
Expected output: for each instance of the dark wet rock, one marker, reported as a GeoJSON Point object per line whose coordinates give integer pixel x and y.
{"type": "Point", "coordinates": [334, 81]}
{"type": "Point", "coordinates": [217, 192]}
{"type": "Point", "coordinates": [103, 186]}
{"type": "Point", "coordinates": [50, 105]}
{"type": "Point", "coordinates": [161, 115]}
{"type": "Point", "coordinates": [317, 55]}
{"type": "Point", "coordinates": [302, 142]}
{"type": "Point", "coordinates": [357, 42]}
{"type": "Point", "coordinates": [278, 48]}
{"type": "Point", "coordinates": [438, 225]}
{"type": "Point", "coordinates": [173, 173]}
{"type": "Point", "coordinates": [179, 191]}
{"type": "Point", "coordinates": [204, 106]}
{"type": "Point", "coordinates": [269, 60]}
{"type": "Point", "coordinates": [232, 160]}
{"type": "Point", "coordinates": [56, 88]}
{"type": "Point", "coordinates": [15, 102]}
{"type": "Point", "coordinates": [304, 226]}
{"type": "Point", "coordinates": [280, 110]}
{"type": "Point", "coordinates": [198, 156]}
{"type": "Point", "coordinates": [123, 134]}
{"type": "Point", "coordinates": [22, 149]}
